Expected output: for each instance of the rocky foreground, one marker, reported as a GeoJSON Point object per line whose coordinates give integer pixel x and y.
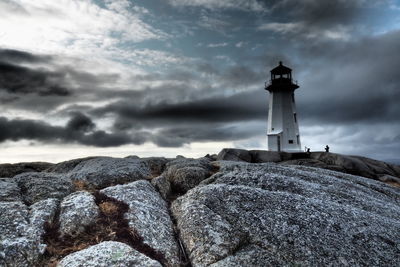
{"type": "Point", "coordinates": [240, 208]}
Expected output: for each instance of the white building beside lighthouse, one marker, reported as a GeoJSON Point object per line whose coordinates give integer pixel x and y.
{"type": "Point", "coordinates": [283, 127]}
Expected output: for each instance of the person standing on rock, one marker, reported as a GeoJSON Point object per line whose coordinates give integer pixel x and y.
{"type": "Point", "coordinates": [327, 148]}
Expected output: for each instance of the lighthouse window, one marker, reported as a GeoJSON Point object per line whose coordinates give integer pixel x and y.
{"type": "Point", "coordinates": [290, 141]}
{"type": "Point", "coordinates": [295, 117]}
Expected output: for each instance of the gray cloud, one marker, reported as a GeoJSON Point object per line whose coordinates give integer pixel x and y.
{"type": "Point", "coordinates": [19, 79]}
{"type": "Point", "coordinates": [249, 105]}
{"type": "Point", "coordinates": [74, 132]}
{"type": "Point", "coordinates": [15, 56]}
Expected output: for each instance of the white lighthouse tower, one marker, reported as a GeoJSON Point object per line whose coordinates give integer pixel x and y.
{"type": "Point", "coordinates": [283, 127]}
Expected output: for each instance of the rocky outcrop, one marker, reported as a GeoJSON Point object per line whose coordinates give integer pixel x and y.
{"type": "Point", "coordinates": [202, 212]}
{"type": "Point", "coordinates": [289, 216]}
{"type": "Point", "coordinates": [357, 165]}
{"type": "Point", "coordinates": [148, 216]}
{"type": "Point", "coordinates": [37, 186]}
{"type": "Point", "coordinates": [78, 211]}
{"type": "Point", "coordinates": [343, 163]}
{"type": "Point", "coordinates": [185, 174]}
{"type": "Point", "coordinates": [104, 171]}
{"type": "Point", "coordinates": [21, 230]}
{"type": "Point", "coordinates": [108, 253]}
{"type": "Point", "coordinates": [10, 170]}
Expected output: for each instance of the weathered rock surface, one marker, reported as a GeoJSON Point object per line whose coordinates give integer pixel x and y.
{"type": "Point", "coordinates": [162, 185]}
{"type": "Point", "coordinates": [78, 210]}
{"type": "Point", "coordinates": [9, 190]}
{"type": "Point", "coordinates": [343, 163]}
{"type": "Point", "coordinates": [274, 215]}
{"type": "Point", "coordinates": [67, 166]}
{"type": "Point", "coordinates": [105, 171]}
{"type": "Point", "coordinates": [148, 216]}
{"type": "Point", "coordinates": [234, 154]}
{"type": "Point", "coordinates": [10, 170]}
{"type": "Point", "coordinates": [229, 213]}
{"type": "Point", "coordinates": [21, 230]}
{"type": "Point", "coordinates": [108, 253]}
{"type": "Point", "coordinates": [185, 174]}
{"type": "Point", "coordinates": [37, 186]}
{"type": "Point", "coordinates": [358, 165]}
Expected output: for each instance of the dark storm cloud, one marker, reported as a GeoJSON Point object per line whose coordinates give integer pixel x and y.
{"type": "Point", "coordinates": [244, 106]}
{"type": "Point", "coordinates": [80, 122]}
{"type": "Point", "coordinates": [23, 80]}
{"type": "Point", "coordinates": [78, 130]}
{"type": "Point", "coordinates": [18, 79]}
{"type": "Point", "coordinates": [359, 86]}
{"type": "Point", "coordinates": [15, 56]}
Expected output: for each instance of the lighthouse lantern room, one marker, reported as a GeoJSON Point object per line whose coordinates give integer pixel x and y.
{"type": "Point", "coordinates": [283, 126]}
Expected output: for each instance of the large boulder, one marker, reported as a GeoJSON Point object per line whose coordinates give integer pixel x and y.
{"type": "Point", "coordinates": [77, 211]}
{"type": "Point", "coordinates": [148, 216]}
{"type": "Point", "coordinates": [37, 186]}
{"type": "Point", "coordinates": [105, 171]}
{"type": "Point", "coordinates": [9, 190]}
{"type": "Point", "coordinates": [185, 174]}
{"type": "Point", "coordinates": [234, 154]}
{"type": "Point", "coordinates": [268, 215]}
{"type": "Point", "coordinates": [108, 253]}
{"type": "Point", "coordinates": [10, 170]}
{"type": "Point", "coordinates": [21, 231]}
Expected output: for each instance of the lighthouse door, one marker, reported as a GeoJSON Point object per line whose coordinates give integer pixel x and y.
{"type": "Point", "coordinates": [279, 142]}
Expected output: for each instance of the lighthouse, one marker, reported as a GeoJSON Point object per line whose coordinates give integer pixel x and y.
{"type": "Point", "coordinates": [283, 125]}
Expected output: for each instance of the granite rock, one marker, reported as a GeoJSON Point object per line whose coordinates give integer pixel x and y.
{"type": "Point", "coordinates": [21, 230]}
{"type": "Point", "coordinates": [108, 254]}
{"type": "Point", "coordinates": [277, 215]}
{"type": "Point", "coordinates": [234, 154]}
{"type": "Point", "coordinates": [9, 190]}
{"type": "Point", "coordinates": [105, 171]}
{"type": "Point", "coordinates": [77, 211]}
{"type": "Point", "coordinates": [148, 215]}
{"type": "Point", "coordinates": [162, 185]}
{"type": "Point", "coordinates": [185, 174]}
{"type": "Point", "coordinates": [37, 186]}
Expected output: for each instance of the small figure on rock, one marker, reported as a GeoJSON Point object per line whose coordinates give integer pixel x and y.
{"type": "Point", "coordinates": [327, 148]}
{"type": "Point", "coordinates": [308, 150]}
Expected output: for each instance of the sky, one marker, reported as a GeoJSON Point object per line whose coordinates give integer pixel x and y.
{"type": "Point", "coordinates": [186, 77]}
